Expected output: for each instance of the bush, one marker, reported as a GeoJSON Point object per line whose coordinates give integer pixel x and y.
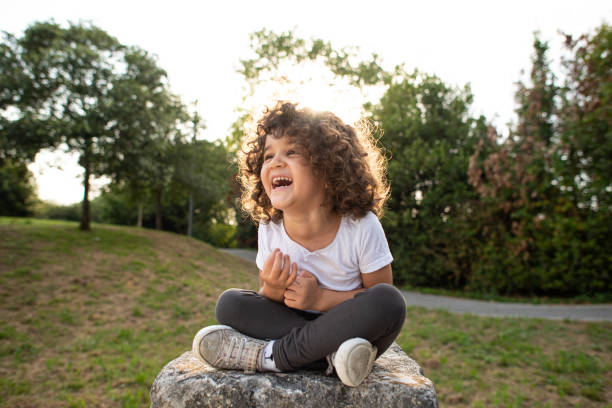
{"type": "Point", "coordinates": [54, 211]}
{"type": "Point", "coordinates": [17, 191]}
{"type": "Point", "coordinates": [218, 234]}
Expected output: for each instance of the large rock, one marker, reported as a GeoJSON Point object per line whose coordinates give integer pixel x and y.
{"type": "Point", "coordinates": [395, 381]}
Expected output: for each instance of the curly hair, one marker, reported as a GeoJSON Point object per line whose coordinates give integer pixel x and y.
{"type": "Point", "coordinates": [347, 161]}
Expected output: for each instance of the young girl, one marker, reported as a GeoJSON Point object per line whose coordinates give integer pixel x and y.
{"type": "Point", "coordinates": [314, 184]}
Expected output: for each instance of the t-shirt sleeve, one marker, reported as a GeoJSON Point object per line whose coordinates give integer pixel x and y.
{"type": "Point", "coordinates": [263, 245]}
{"type": "Point", "coordinates": [374, 249]}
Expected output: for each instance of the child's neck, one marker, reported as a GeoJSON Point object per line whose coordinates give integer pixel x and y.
{"type": "Point", "coordinates": [314, 230]}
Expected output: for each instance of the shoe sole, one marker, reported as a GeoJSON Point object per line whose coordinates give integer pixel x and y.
{"type": "Point", "coordinates": [349, 361]}
{"type": "Point", "coordinates": [195, 348]}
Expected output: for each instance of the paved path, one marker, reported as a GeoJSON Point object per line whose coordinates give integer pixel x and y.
{"type": "Point", "coordinates": [593, 313]}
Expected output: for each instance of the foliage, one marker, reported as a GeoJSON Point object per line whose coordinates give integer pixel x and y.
{"type": "Point", "coordinates": [271, 49]}
{"type": "Point", "coordinates": [151, 121]}
{"type": "Point", "coordinates": [199, 168]}
{"type": "Point", "coordinates": [53, 211]}
{"type": "Point", "coordinates": [17, 191]}
{"type": "Point", "coordinates": [429, 136]}
{"type": "Point", "coordinates": [22, 133]}
{"type": "Point", "coordinates": [586, 120]}
{"type": "Point", "coordinates": [543, 228]}
{"type": "Point", "coordinates": [526, 214]}
{"type": "Point", "coordinates": [78, 87]}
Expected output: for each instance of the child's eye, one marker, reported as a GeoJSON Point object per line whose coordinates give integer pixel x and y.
{"type": "Point", "coordinates": [268, 157]}
{"type": "Point", "coordinates": [291, 152]}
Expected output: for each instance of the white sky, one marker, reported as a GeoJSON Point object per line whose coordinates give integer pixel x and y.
{"type": "Point", "coordinates": [199, 44]}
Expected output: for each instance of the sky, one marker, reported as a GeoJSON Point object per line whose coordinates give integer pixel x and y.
{"type": "Point", "coordinates": [200, 43]}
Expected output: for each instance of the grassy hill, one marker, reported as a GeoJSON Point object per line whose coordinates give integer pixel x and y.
{"type": "Point", "coordinates": [89, 319]}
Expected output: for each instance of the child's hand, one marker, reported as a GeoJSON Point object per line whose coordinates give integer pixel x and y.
{"type": "Point", "coordinates": [303, 293]}
{"type": "Point", "coordinates": [278, 272]}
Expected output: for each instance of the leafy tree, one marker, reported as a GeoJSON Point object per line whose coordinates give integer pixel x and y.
{"type": "Point", "coordinates": [148, 121]}
{"type": "Point", "coordinates": [540, 237]}
{"type": "Point", "coordinates": [586, 119]}
{"type": "Point", "coordinates": [429, 136]}
{"type": "Point", "coordinates": [515, 180]}
{"type": "Point", "coordinates": [272, 49]}
{"type": "Point", "coordinates": [67, 74]}
{"type": "Point", "coordinates": [21, 135]}
{"type": "Point", "coordinates": [22, 132]}
{"type": "Point", "coordinates": [199, 168]}
{"type": "Point", "coordinates": [202, 171]}
{"type": "Point", "coordinates": [78, 87]}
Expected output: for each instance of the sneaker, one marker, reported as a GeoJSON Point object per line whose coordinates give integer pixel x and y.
{"type": "Point", "coordinates": [223, 347]}
{"type": "Point", "coordinates": [352, 361]}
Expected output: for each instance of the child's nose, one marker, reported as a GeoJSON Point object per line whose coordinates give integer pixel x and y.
{"type": "Point", "coordinates": [277, 161]}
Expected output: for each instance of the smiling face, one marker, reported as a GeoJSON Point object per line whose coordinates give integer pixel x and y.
{"type": "Point", "coordinates": [288, 179]}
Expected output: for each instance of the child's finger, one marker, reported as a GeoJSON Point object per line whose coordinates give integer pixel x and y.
{"type": "Point", "coordinates": [284, 273]}
{"type": "Point", "coordinates": [289, 294]}
{"type": "Point", "coordinates": [269, 263]}
{"type": "Point", "coordinates": [270, 259]}
{"type": "Point", "coordinates": [276, 266]}
{"type": "Point", "coordinates": [293, 275]}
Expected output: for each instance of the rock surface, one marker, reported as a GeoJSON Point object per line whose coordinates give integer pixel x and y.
{"type": "Point", "coordinates": [395, 381]}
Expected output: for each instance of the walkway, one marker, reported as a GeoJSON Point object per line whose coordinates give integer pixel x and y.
{"type": "Point", "coordinates": [591, 313]}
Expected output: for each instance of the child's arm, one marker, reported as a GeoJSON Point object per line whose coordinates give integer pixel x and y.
{"type": "Point", "coordinates": [278, 273]}
{"type": "Point", "coordinates": [305, 293]}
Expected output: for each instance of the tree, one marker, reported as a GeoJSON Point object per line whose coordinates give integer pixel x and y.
{"type": "Point", "coordinates": [79, 88]}
{"type": "Point", "coordinates": [67, 75]}
{"type": "Point", "coordinates": [429, 136]}
{"type": "Point", "coordinates": [22, 132]}
{"type": "Point", "coordinates": [514, 178]}
{"type": "Point", "coordinates": [202, 172]}
{"type": "Point", "coordinates": [272, 49]}
{"type": "Point", "coordinates": [21, 135]}
{"type": "Point", "coordinates": [586, 119]}
{"type": "Point", "coordinates": [148, 120]}
{"type": "Point", "coordinates": [541, 234]}
{"type": "Point", "coordinates": [199, 168]}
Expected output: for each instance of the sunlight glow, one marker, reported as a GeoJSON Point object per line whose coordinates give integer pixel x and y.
{"type": "Point", "coordinates": [59, 178]}
{"type": "Point", "coordinates": [314, 86]}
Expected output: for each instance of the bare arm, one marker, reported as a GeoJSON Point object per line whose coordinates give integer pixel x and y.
{"type": "Point", "coordinates": [305, 293]}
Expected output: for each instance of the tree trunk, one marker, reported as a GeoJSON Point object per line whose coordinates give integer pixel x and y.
{"type": "Point", "coordinates": [190, 222]}
{"type": "Point", "coordinates": [139, 222]}
{"type": "Point", "coordinates": [158, 210]}
{"type": "Point", "coordinates": [86, 215]}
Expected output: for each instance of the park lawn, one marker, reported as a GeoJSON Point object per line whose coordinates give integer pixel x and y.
{"type": "Point", "coordinates": [89, 319]}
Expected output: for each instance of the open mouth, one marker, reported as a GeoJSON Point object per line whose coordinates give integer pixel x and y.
{"type": "Point", "coordinates": [281, 182]}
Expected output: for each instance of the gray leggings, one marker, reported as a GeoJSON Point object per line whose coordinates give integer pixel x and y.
{"type": "Point", "coordinates": [303, 338]}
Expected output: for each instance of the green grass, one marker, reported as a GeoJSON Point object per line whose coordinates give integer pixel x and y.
{"type": "Point", "coordinates": [477, 361]}
{"type": "Point", "coordinates": [90, 318]}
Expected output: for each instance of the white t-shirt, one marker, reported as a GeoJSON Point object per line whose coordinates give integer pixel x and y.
{"type": "Point", "coordinates": [360, 246]}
